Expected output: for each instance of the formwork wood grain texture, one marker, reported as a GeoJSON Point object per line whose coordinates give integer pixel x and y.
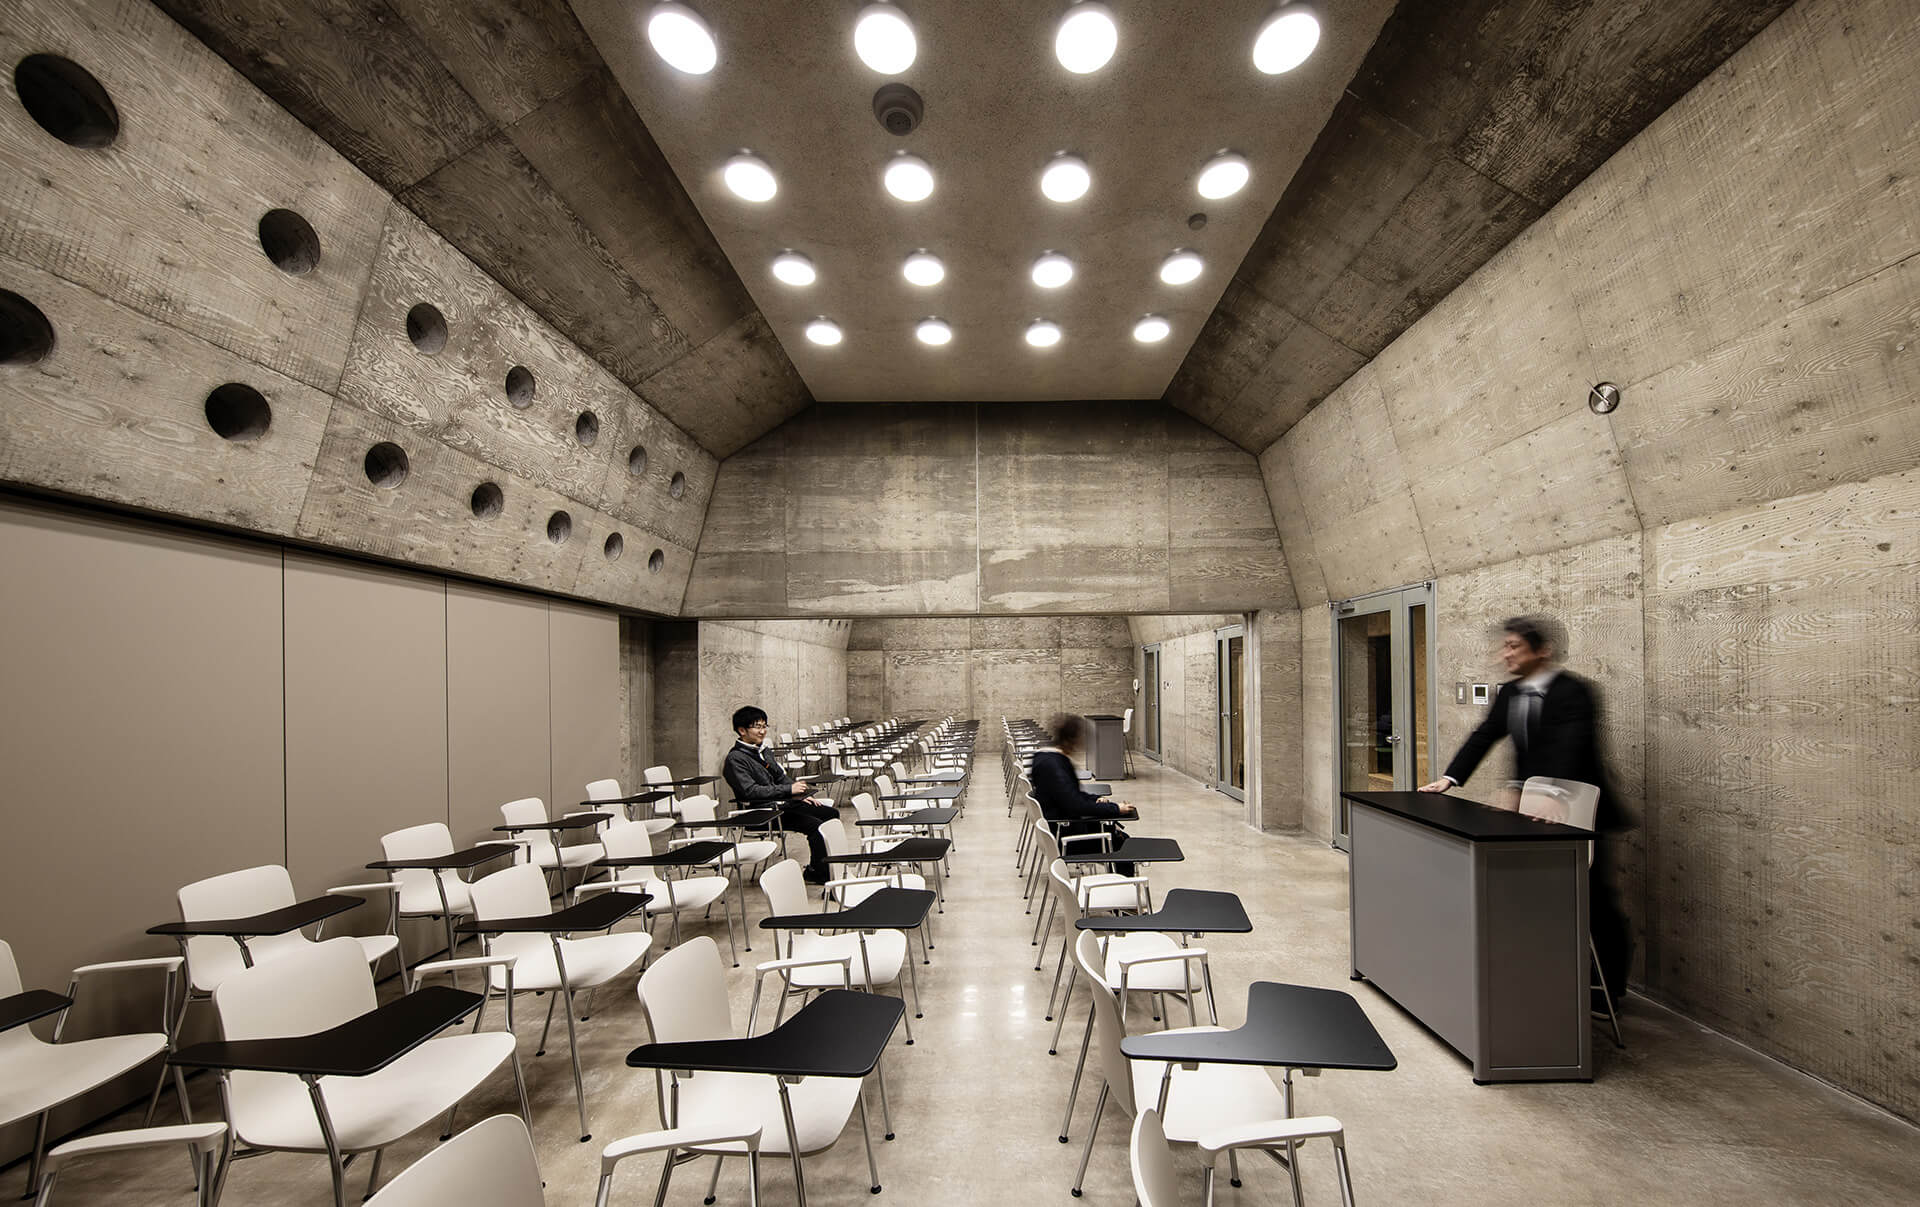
{"type": "Point", "coordinates": [796, 670]}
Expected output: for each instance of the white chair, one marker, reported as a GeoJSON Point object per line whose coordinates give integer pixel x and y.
{"type": "Point", "coordinates": [206, 1146]}
{"type": "Point", "coordinates": [314, 990]}
{"type": "Point", "coordinates": [1157, 1184]}
{"type": "Point", "coordinates": [542, 851]}
{"type": "Point", "coordinates": [544, 962]}
{"type": "Point", "coordinates": [685, 998]}
{"type": "Point", "coordinates": [658, 821]}
{"type": "Point", "coordinates": [853, 890]}
{"type": "Point", "coordinates": [748, 853]}
{"type": "Point", "coordinates": [425, 893]}
{"type": "Point", "coordinates": [631, 840]}
{"type": "Point", "coordinates": [1575, 804]}
{"type": "Point", "coordinates": [1126, 737]}
{"type": "Point", "coordinates": [812, 960]}
{"type": "Point", "coordinates": [1203, 1100]}
{"type": "Point", "coordinates": [36, 1076]}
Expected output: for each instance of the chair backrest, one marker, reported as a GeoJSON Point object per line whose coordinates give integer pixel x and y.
{"type": "Point", "coordinates": [491, 1164]}
{"type": "Point", "coordinates": [657, 775]}
{"type": "Point", "coordinates": [1156, 1183]}
{"type": "Point", "coordinates": [9, 971]}
{"type": "Point", "coordinates": [883, 784]}
{"type": "Point", "coordinates": [786, 893]}
{"type": "Point", "coordinates": [833, 832]}
{"type": "Point", "coordinates": [685, 993]}
{"type": "Point", "coordinates": [516, 892]}
{"type": "Point", "coordinates": [627, 840]}
{"type": "Point", "coordinates": [13, 1039]}
{"type": "Point", "coordinates": [1569, 802]}
{"type": "Point", "coordinates": [241, 894]}
{"type": "Point", "coordinates": [1108, 1028]}
{"type": "Point", "coordinates": [539, 842]}
{"type": "Point", "coordinates": [1126, 721]}
{"type": "Point", "coordinates": [696, 808]}
{"type": "Point", "coordinates": [418, 894]}
{"type": "Point", "coordinates": [604, 790]}
{"type": "Point", "coordinates": [863, 805]}
{"type": "Point", "coordinates": [299, 993]}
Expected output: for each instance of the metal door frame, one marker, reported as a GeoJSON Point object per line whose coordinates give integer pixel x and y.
{"type": "Point", "coordinates": [1150, 684]}
{"type": "Point", "coordinates": [1221, 637]}
{"type": "Point", "coordinates": [1398, 603]}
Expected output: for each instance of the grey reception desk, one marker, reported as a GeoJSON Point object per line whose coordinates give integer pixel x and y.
{"type": "Point", "coordinates": [1475, 921]}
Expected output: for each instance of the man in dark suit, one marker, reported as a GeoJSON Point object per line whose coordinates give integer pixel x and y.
{"type": "Point", "coordinates": [759, 780]}
{"type": "Point", "coordinates": [1552, 715]}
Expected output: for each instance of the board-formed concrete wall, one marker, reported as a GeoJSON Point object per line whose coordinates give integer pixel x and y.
{"type": "Point", "coordinates": [1730, 549]}
{"type": "Point", "coordinates": [794, 669]}
{"type": "Point", "coordinates": [247, 332]}
{"type": "Point", "coordinates": [965, 509]}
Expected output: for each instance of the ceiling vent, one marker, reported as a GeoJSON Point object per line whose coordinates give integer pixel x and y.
{"type": "Point", "coordinates": [899, 108]}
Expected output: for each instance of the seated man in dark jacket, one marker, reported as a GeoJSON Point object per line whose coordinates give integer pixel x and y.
{"type": "Point", "coordinates": [1056, 786]}
{"type": "Point", "coordinates": [759, 780]}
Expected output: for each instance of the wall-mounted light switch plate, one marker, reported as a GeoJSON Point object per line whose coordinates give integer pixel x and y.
{"type": "Point", "coordinates": [1459, 693]}
{"type": "Point", "coordinates": [1482, 693]}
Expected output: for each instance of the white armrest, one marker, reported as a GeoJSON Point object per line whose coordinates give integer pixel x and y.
{"type": "Point", "coordinates": [1266, 1133]}
{"type": "Point", "coordinates": [602, 885]}
{"type": "Point", "coordinates": [1165, 957]}
{"type": "Point", "coordinates": [845, 962]}
{"type": "Point", "coordinates": [1085, 892]}
{"type": "Point", "coordinates": [168, 963]}
{"type": "Point", "coordinates": [465, 962]}
{"type": "Point", "coordinates": [364, 888]}
{"type": "Point", "coordinates": [204, 1137]}
{"type": "Point", "coordinates": [678, 1137]}
{"type": "Point", "coordinates": [850, 880]}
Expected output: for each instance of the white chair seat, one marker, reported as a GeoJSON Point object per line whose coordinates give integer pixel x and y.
{"type": "Point", "coordinates": [1099, 896]}
{"type": "Point", "coordinates": [374, 1111]}
{"type": "Point", "coordinates": [691, 892]}
{"type": "Point", "coordinates": [752, 850]}
{"type": "Point", "coordinates": [212, 960]}
{"type": "Point", "coordinates": [577, 856]}
{"type": "Point", "coordinates": [886, 952]}
{"type": "Point", "coordinates": [40, 1075]}
{"type": "Point", "coordinates": [419, 899]}
{"type": "Point", "coordinates": [1172, 976]}
{"type": "Point", "coordinates": [590, 962]}
{"type": "Point", "coordinates": [820, 1108]}
{"type": "Point", "coordinates": [1208, 1098]}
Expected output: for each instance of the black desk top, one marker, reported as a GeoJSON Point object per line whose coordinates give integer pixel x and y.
{"type": "Point", "coordinates": [1104, 716]}
{"type": "Point", "coordinates": [919, 817]}
{"type": "Point", "coordinates": [885, 909]}
{"type": "Point", "coordinates": [840, 1033]}
{"type": "Point", "coordinates": [355, 1048]}
{"type": "Point", "coordinates": [924, 794]}
{"type": "Point", "coordinates": [1290, 1026]}
{"type": "Point", "coordinates": [1183, 911]}
{"type": "Point", "coordinates": [691, 855]}
{"type": "Point", "coordinates": [638, 798]}
{"type": "Point", "coordinates": [597, 912]}
{"type": "Point", "coordinates": [454, 861]}
{"type": "Point", "coordinates": [578, 821]}
{"type": "Point", "coordinates": [691, 782]}
{"type": "Point", "coordinates": [22, 1008]}
{"type": "Point", "coordinates": [1133, 850]}
{"type": "Point", "coordinates": [938, 777]}
{"type": "Point", "coordinates": [739, 818]}
{"type": "Point", "coordinates": [273, 922]}
{"type": "Point", "coordinates": [1465, 818]}
{"type": "Point", "coordinates": [907, 850]}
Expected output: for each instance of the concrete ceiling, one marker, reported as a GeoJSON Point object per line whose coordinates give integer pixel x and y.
{"type": "Point", "coordinates": [998, 105]}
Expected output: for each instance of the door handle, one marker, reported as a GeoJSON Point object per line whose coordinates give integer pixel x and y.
{"type": "Point", "coordinates": [1393, 737]}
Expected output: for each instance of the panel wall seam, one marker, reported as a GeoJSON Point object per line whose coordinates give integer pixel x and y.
{"type": "Point", "coordinates": [286, 783]}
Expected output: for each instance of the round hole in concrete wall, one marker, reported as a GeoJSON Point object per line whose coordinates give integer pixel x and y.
{"type": "Point", "coordinates": [656, 560]}
{"type": "Point", "coordinates": [427, 328]}
{"type": "Point", "coordinates": [520, 387]}
{"type": "Point", "coordinates": [637, 460]}
{"type": "Point", "coordinates": [66, 100]}
{"type": "Point", "coordinates": [559, 527]}
{"type": "Point", "coordinates": [678, 486]}
{"type": "Point", "coordinates": [487, 501]}
{"type": "Point", "coordinates": [615, 546]}
{"type": "Point", "coordinates": [386, 465]}
{"type": "Point", "coordinates": [290, 242]}
{"type": "Point", "coordinates": [25, 334]}
{"type": "Point", "coordinates": [238, 412]}
{"type": "Point", "coordinates": [586, 429]}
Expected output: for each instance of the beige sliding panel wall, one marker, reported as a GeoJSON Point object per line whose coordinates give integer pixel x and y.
{"type": "Point", "coordinates": [583, 667]}
{"type": "Point", "coordinates": [497, 711]}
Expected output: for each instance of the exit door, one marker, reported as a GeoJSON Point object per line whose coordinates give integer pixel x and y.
{"type": "Point", "coordinates": [1384, 695]}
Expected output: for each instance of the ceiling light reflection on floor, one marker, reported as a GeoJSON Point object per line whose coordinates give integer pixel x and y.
{"type": "Point", "coordinates": [1043, 334]}
{"type": "Point", "coordinates": [1067, 178]}
{"type": "Point", "coordinates": [909, 178]}
{"type": "Point", "coordinates": [824, 332]}
{"type": "Point", "coordinates": [1052, 270]}
{"type": "Point", "coordinates": [1086, 39]}
{"type": "Point", "coordinates": [883, 38]}
{"type": "Point", "coordinates": [750, 178]}
{"type": "Point", "coordinates": [680, 37]}
{"type": "Point", "coordinates": [792, 268]}
{"type": "Point", "coordinates": [1286, 40]}
{"type": "Point", "coordinates": [923, 268]}
{"type": "Point", "coordinates": [1180, 268]}
{"type": "Point", "coordinates": [1223, 176]}
{"type": "Point", "coordinates": [933, 331]}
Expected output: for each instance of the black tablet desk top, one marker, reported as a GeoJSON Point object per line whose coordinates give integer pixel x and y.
{"type": "Point", "coordinates": [907, 850]}
{"type": "Point", "coordinates": [938, 777]}
{"type": "Point", "coordinates": [638, 798]}
{"type": "Point", "coordinates": [1288, 1026]}
{"type": "Point", "coordinates": [273, 922]}
{"type": "Point", "coordinates": [840, 1033]}
{"type": "Point", "coordinates": [925, 794]}
{"type": "Point", "coordinates": [738, 819]}
{"type": "Point", "coordinates": [453, 861]}
{"type": "Point", "coordinates": [692, 854]}
{"type": "Point", "coordinates": [355, 1048]}
{"type": "Point", "coordinates": [1133, 850]}
{"type": "Point", "coordinates": [23, 1008]}
{"type": "Point", "coordinates": [1465, 818]}
{"type": "Point", "coordinates": [691, 782]}
{"type": "Point", "coordinates": [579, 821]}
{"type": "Point", "coordinates": [1188, 911]}
{"type": "Point", "coordinates": [885, 909]}
{"type": "Point", "coordinates": [919, 817]}
{"type": "Point", "coordinates": [597, 912]}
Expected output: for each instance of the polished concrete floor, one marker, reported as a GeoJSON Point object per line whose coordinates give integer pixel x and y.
{"type": "Point", "coordinates": [1682, 1116]}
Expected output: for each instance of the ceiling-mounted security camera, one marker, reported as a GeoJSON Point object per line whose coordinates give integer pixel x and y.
{"type": "Point", "coordinates": [899, 108]}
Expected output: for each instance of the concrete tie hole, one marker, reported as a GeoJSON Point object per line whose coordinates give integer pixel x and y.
{"type": "Point", "coordinates": [290, 242]}
{"type": "Point", "coordinates": [559, 527]}
{"type": "Point", "coordinates": [427, 328]}
{"type": "Point", "coordinates": [25, 334]}
{"type": "Point", "coordinates": [656, 561]}
{"type": "Point", "coordinates": [386, 465]}
{"type": "Point", "coordinates": [520, 387]}
{"type": "Point", "coordinates": [66, 100]}
{"type": "Point", "coordinates": [238, 412]}
{"type": "Point", "coordinates": [678, 486]}
{"type": "Point", "coordinates": [637, 460]}
{"type": "Point", "coordinates": [488, 500]}
{"type": "Point", "coordinates": [615, 546]}
{"type": "Point", "coordinates": [586, 429]}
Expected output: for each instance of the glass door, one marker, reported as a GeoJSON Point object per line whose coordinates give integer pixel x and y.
{"type": "Point", "coordinates": [1150, 702]}
{"type": "Point", "coordinates": [1230, 661]}
{"type": "Point", "coordinates": [1384, 701]}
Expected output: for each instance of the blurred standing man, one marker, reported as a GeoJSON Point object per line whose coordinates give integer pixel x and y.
{"type": "Point", "coordinates": [1553, 715]}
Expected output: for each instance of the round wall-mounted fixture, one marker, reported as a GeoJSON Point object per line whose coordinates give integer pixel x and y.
{"type": "Point", "coordinates": [909, 178]}
{"type": "Point", "coordinates": [883, 38]}
{"type": "Point", "coordinates": [934, 331]}
{"type": "Point", "coordinates": [1151, 329]}
{"type": "Point", "coordinates": [1086, 39]}
{"type": "Point", "coordinates": [1181, 268]}
{"type": "Point", "coordinates": [923, 268]}
{"type": "Point", "coordinates": [899, 108]}
{"type": "Point", "coordinates": [1223, 176]}
{"type": "Point", "coordinates": [1052, 270]}
{"type": "Point", "coordinates": [750, 178]}
{"type": "Point", "coordinates": [824, 332]}
{"type": "Point", "coordinates": [679, 36]}
{"type": "Point", "coordinates": [1604, 398]}
{"type": "Point", "coordinates": [1066, 178]}
{"type": "Point", "coordinates": [792, 268]}
{"type": "Point", "coordinates": [1286, 39]}
{"type": "Point", "coordinates": [1043, 334]}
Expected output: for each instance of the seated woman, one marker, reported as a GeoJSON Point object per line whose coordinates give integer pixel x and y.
{"type": "Point", "coordinates": [1056, 787]}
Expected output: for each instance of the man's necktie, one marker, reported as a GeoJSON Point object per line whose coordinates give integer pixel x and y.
{"type": "Point", "coordinates": [1528, 708]}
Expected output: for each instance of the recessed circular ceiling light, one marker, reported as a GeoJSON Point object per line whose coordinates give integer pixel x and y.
{"type": "Point", "coordinates": [749, 178]}
{"type": "Point", "coordinates": [924, 268]}
{"type": "Point", "coordinates": [1043, 334]}
{"type": "Point", "coordinates": [1180, 268]}
{"type": "Point", "coordinates": [933, 331]}
{"type": "Point", "coordinates": [909, 178]}
{"type": "Point", "coordinates": [1151, 329]}
{"type": "Point", "coordinates": [1066, 178]}
{"type": "Point", "coordinates": [1223, 176]}
{"type": "Point", "coordinates": [883, 38]}
{"type": "Point", "coordinates": [1287, 38]}
{"type": "Point", "coordinates": [792, 268]}
{"type": "Point", "coordinates": [1086, 38]}
{"type": "Point", "coordinates": [681, 38]}
{"type": "Point", "coordinates": [1052, 270]}
{"type": "Point", "coordinates": [824, 332]}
